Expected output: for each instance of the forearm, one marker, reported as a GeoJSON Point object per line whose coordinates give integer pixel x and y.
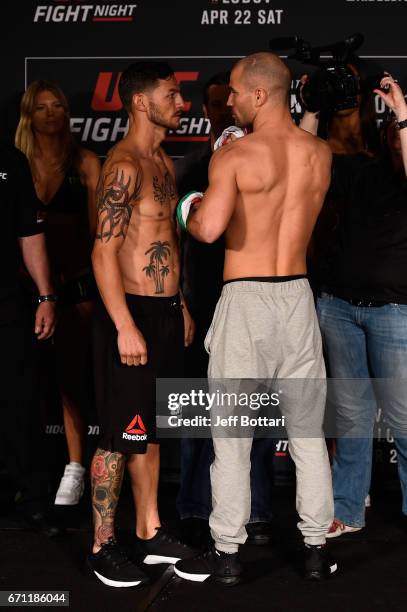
{"type": "Point", "coordinates": [203, 225]}
{"type": "Point", "coordinates": [394, 99]}
{"type": "Point", "coordinates": [198, 228]}
{"type": "Point", "coordinates": [35, 258]}
{"type": "Point", "coordinates": [206, 216]}
{"type": "Point", "coordinates": [310, 122]}
{"type": "Point", "coordinates": [183, 302]}
{"type": "Point", "coordinates": [110, 284]}
{"type": "Point", "coordinates": [403, 138]}
{"type": "Point", "coordinates": [401, 116]}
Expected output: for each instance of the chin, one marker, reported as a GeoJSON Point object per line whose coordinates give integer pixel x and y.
{"type": "Point", "coordinates": [50, 131]}
{"type": "Point", "coordinates": [240, 123]}
{"type": "Point", "coordinates": [175, 125]}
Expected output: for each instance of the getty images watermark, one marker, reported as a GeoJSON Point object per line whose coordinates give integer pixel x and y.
{"type": "Point", "coordinates": [218, 408]}
{"type": "Point", "coordinates": [219, 400]}
{"type": "Point", "coordinates": [296, 408]}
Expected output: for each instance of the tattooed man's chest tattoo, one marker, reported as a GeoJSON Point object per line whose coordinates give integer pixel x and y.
{"type": "Point", "coordinates": [165, 190]}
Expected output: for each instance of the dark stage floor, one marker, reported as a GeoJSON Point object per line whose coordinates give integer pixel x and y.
{"type": "Point", "coordinates": [372, 576]}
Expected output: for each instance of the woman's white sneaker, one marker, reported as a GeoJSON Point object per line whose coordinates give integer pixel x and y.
{"type": "Point", "coordinates": [72, 485]}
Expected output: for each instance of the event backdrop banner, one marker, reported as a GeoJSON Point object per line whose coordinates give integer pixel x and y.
{"type": "Point", "coordinates": [84, 46]}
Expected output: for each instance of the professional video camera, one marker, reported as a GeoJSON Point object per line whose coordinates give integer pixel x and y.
{"type": "Point", "coordinates": [334, 86]}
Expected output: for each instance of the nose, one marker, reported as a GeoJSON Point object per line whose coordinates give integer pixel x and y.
{"type": "Point", "coordinates": [229, 101]}
{"type": "Point", "coordinates": [180, 102]}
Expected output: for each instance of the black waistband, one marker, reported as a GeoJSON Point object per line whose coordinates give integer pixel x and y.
{"type": "Point", "coordinates": [267, 279]}
{"type": "Point", "coordinates": [143, 307]}
{"type": "Point", "coordinates": [151, 304]}
{"type": "Point", "coordinates": [365, 303]}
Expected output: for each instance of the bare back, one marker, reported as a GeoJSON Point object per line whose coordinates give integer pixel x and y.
{"type": "Point", "coordinates": [282, 178]}
{"type": "Point", "coordinates": [147, 251]}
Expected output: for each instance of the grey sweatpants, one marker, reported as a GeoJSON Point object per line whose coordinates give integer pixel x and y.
{"type": "Point", "coordinates": [269, 331]}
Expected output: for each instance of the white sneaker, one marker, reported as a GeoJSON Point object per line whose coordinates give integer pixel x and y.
{"type": "Point", "coordinates": [338, 528]}
{"type": "Point", "coordinates": [71, 486]}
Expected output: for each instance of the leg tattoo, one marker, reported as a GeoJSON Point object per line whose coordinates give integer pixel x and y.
{"type": "Point", "coordinates": [106, 476]}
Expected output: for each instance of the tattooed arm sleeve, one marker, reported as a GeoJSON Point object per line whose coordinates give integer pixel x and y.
{"type": "Point", "coordinates": [118, 191]}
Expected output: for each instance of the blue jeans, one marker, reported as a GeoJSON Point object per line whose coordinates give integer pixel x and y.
{"type": "Point", "coordinates": [195, 496]}
{"type": "Point", "coordinates": [364, 342]}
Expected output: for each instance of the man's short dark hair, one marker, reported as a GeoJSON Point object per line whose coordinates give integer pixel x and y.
{"type": "Point", "coordinates": [221, 78]}
{"type": "Point", "coordinates": [140, 77]}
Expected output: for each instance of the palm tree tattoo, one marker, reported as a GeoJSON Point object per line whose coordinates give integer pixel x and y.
{"type": "Point", "coordinates": [157, 268]}
{"type": "Point", "coordinates": [115, 204]}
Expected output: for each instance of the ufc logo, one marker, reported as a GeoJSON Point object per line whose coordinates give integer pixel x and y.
{"type": "Point", "coordinates": [106, 95]}
{"type": "Point", "coordinates": [3, 176]}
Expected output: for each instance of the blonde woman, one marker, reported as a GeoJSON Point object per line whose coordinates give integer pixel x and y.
{"type": "Point", "coordinates": [65, 178]}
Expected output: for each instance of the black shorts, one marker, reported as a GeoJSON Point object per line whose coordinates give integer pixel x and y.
{"type": "Point", "coordinates": [125, 395]}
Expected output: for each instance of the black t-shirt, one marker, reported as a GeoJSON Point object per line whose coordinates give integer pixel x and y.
{"type": "Point", "coordinates": [368, 252]}
{"type": "Point", "coordinates": [202, 263]}
{"type": "Point", "coordinates": [19, 206]}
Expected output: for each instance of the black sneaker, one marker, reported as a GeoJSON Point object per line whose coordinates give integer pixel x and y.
{"type": "Point", "coordinates": [258, 533]}
{"type": "Point", "coordinates": [164, 547]}
{"type": "Point", "coordinates": [318, 563]}
{"type": "Point", "coordinates": [222, 567]}
{"type": "Point", "coordinates": [112, 566]}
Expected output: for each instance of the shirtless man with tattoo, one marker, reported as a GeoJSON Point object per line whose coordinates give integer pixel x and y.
{"type": "Point", "coordinates": [142, 326]}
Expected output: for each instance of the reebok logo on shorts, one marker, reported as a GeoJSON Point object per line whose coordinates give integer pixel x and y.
{"type": "Point", "coordinates": [135, 430]}
{"type": "Point", "coordinates": [138, 422]}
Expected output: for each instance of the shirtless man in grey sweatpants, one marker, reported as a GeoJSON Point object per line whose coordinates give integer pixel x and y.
{"type": "Point", "coordinates": [265, 193]}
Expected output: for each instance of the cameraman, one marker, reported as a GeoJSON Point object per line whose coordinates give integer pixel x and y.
{"type": "Point", "coordinates": [362, 304]}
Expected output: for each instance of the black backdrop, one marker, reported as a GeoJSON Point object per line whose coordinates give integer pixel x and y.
{"type": "Point", "coordinates": [84, 45]}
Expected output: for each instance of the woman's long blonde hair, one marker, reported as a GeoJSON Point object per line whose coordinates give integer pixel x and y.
{"type": "Point", "coordinates": [25, 137]}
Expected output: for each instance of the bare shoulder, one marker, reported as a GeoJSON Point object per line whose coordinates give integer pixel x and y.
{"type": "Point", "coordinates": [121, 180]}
{"type": "Point", "coordinates": [121, 163]}
{"type": "Point", "coordinates": [86, 156]}
{"type": "Point", "coordinates": [89, 162]}
{"type": "Point", "coordinates": [322, 158]}
{"type": "Point", "coordinates": [228, 155]}
{"type": "Point", "coordinates": [323, 148]}
{"type": "Point", "coordinates": [315, 148]}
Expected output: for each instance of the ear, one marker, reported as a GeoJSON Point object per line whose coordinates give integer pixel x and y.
{"type": "Point", "coordinates": [260, 96]}
{"type": "Point", "coordinates": [205, 111]}
{"type": "Point", "coordinates": [139, 102]}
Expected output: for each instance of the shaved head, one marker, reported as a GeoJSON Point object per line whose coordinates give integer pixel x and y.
{"type": "Point", "coordinates": [259, 86]}
{"type": "Point", "coordinates": [267, 71]}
